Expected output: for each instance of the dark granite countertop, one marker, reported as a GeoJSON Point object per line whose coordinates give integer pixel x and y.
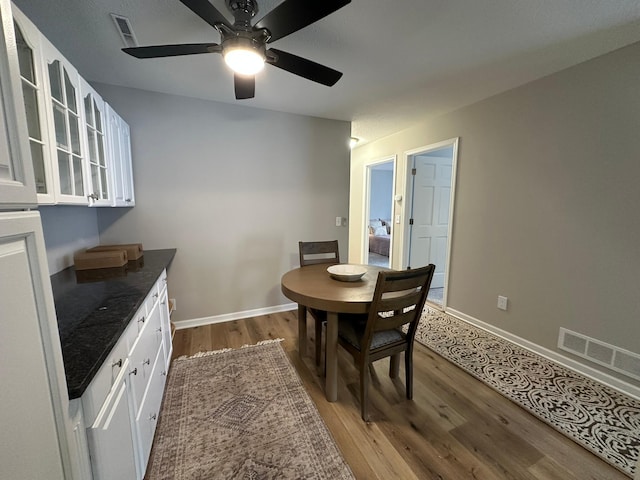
{"type": "Point", "coordinates": [93, 313]}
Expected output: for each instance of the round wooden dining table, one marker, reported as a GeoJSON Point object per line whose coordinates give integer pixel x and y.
{"type": "Point", "coordinates": [312, 287]}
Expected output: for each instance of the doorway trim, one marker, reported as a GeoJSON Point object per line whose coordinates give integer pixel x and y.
{"type": "Point", "coordinates": [366, 197]}
{"type": "Point", "coordinates": [408, 192]}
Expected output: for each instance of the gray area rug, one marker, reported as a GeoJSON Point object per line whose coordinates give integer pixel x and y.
{"type": "Point", "coordinates": [597, 417]}
{"type": "Point", "coordinates": [241, 414]}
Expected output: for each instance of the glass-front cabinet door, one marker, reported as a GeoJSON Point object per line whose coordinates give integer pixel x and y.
{"type": "Point", "coordinates": [100, 190]}
{"type": "Point", "coordinates": [64, 114]}
{"type": "Point", "coordinates": [17, 186]}
{"type": "Point", "coordinates": [28, 46]}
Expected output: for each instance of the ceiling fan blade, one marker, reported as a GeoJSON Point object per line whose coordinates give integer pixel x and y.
{"type": "Point", "coordinates": [206, 11]}
{"type": "Point", "coordinates": [245, 86]}
{"type": "Point", "coordinates": [292, 15]}
{"type": "Point", "coordinates": [157, 51]}
{"type": "Point", "coordinates": [305, 68]}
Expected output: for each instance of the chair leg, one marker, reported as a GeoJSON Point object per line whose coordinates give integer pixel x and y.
{"type": "Point", "coordinates": [318, 341]}
{"type": "Point", "coordinates": [408, 366]}
{"type": "Point", "coordinates": [364, 392]}
{"type": "Point", "coordinates": [394, 365]}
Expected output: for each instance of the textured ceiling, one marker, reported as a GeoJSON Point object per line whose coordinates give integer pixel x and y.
{"type": "Point", "coordinates": [403, 60]}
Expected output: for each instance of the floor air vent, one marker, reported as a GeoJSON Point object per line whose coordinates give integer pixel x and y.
{"type": "Point", "coordinates": [610, 356]}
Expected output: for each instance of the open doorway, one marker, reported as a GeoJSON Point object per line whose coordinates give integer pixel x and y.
{"type": "Point", "coordinates": [379, 184]}
{"type": "Point", "coordinates": [430, 193]}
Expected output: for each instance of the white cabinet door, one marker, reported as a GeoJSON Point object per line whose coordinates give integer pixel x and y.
{"type": "Point", "coordinates": [63, 104]}
{"type": "Point", "coordinates": [33, 396]}
{"type": "Point", "coordinates": [167, 345]}
{"type": "Point", "coordinates": [17, 184]}
{"type": "Point", "coordinates": [100, 175]}
{"type": "Point", "coordinates": [32, 82]}
{"type": "Point", "coordinates": [111, 437]}
{"type": "Point", "coordinates": [119, 140]}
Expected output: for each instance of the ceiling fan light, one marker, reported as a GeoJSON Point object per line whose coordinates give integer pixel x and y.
{"type": "Point", "coordinates": [245, 61]}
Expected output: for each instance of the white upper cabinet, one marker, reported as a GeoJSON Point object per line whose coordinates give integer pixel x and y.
{"type": "Point", "coordinates": [32, 81]}
{"type": "Point", "coordinates": [77, 150]}
{"type": "Point", "coordinates": [100, 178]}
{"type": "Point", "coordinates": [119, 139]}
{"type": "Point", "coordinates": [17, 184]}
{"type": "Point", "coordinates": [63, 105]}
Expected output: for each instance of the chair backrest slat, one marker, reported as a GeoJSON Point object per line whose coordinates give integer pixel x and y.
{"type": "Point", "coordinates": [312, 253]}
{"type": "Point", "coordinates": [398, 300]}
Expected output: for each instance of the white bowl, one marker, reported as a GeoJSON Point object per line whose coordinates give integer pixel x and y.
{"type": "Point", "coordinates": [347, 273]}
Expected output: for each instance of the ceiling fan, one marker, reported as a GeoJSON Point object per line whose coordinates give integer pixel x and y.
{"type": "Point", "coordinates": [244, 46]}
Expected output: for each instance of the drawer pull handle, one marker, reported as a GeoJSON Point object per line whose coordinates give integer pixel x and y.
{"type": "Point", "coordinates": [117, 364]}
{"type": "Point", "coordinates": [141, 320]}
{"type": "Point", "coordinates": [164, 374]}
{"type": "Point", "coordinates": [134, 371]}
{"type": "Point", "coordinates": [152, 417]}
{"type": "Point", "coordinates": [159, 329]}
{"type": "Point", "coordinates": [147, 361]}
{"type": "Point", "coordinates": [155, 295]}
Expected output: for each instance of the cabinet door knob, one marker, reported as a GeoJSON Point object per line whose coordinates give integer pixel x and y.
{"type": "Point", "coordinates": [117, 364]}
{"type": "Point", "coordinates": [152, 417]}
{"type": "Point", "coordinates": [127, 200]}
{"type": "Point", "coordinates": [141, 320]}
{"type": "Point", "coordinates": [164, 374]}
{"type": "Point", "coordinates": [155, 295]}
{"type": "Point", "coordinates": [147, 361]}
{"type": "Point", "coordinates": [159, 329]}
{"type": "Point", "coordinates": [134, 371]}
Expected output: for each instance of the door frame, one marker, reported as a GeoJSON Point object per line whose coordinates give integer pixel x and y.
{"type": "Point", "coordinates": [366, 197]}
{"type": "Point", "coordinates": [408, 158]}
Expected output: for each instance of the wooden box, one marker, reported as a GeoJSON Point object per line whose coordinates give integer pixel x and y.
{"type": "Point", "coordinates": [107, 259]}
{"type": "Point", "coordinates": [134, 250]}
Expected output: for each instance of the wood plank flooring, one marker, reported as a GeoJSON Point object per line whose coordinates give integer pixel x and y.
{"type": "Point", "coordinates": [454, 428]}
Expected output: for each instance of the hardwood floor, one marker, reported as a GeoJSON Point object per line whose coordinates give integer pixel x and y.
{"type": "Point", "coordinates": [454, 428]}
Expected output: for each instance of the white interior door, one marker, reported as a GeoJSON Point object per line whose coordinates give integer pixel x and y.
{"type": "Point", "coordinates": [431, 212]}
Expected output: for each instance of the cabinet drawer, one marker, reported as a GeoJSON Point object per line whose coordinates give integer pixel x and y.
{"type": "Point", "coordinates": [147, 418]}
{"type": "Point", "coordinates": [97, 392]}
{"type": "Point", "coordinates": [143, 355]}
{"type": "Point", "coordinates": [162, 281]}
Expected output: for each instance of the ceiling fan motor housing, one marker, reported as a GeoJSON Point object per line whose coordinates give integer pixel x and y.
{"type": "Point", "coordinates": [243, 11]}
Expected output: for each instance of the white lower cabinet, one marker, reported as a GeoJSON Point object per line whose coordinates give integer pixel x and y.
{"type": "Point", "coordinates": [111, 437]}
{"type": "Point", "coordinates": [120, 433]}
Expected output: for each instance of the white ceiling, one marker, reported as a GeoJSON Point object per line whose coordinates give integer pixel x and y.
{"type": "Point", "coordinates": [403, 60]}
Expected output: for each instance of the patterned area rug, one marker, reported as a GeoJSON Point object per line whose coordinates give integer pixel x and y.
{"type": "Point", "coordinates": [599, 418]}
{"type": "Point", "coordinates": [241, 414]}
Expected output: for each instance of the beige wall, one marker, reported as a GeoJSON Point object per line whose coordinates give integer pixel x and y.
{"type": "Point", "coordinates": [547, 201]}
{"type": "Point", "coordinates": [233, 189]}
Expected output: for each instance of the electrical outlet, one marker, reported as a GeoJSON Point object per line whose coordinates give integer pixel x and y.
{"type": "Point", "coordinates": [172, 302]}
{"type": "Point", "coordinates": [502, 302]}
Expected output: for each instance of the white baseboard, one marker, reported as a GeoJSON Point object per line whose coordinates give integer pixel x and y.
{"type": "Point", "coordinates": [228, 317]}
{"type": "Point", "coordinates": [569, 363]}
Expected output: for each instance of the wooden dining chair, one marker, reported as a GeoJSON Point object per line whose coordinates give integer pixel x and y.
{"type": "Point", "coordinates": [398, 300]}
{"type": "Point", "coordinates": [312, 253]}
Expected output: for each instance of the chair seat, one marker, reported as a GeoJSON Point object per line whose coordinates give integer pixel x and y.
{"type": "Point", "coordinates": [351, 329]}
